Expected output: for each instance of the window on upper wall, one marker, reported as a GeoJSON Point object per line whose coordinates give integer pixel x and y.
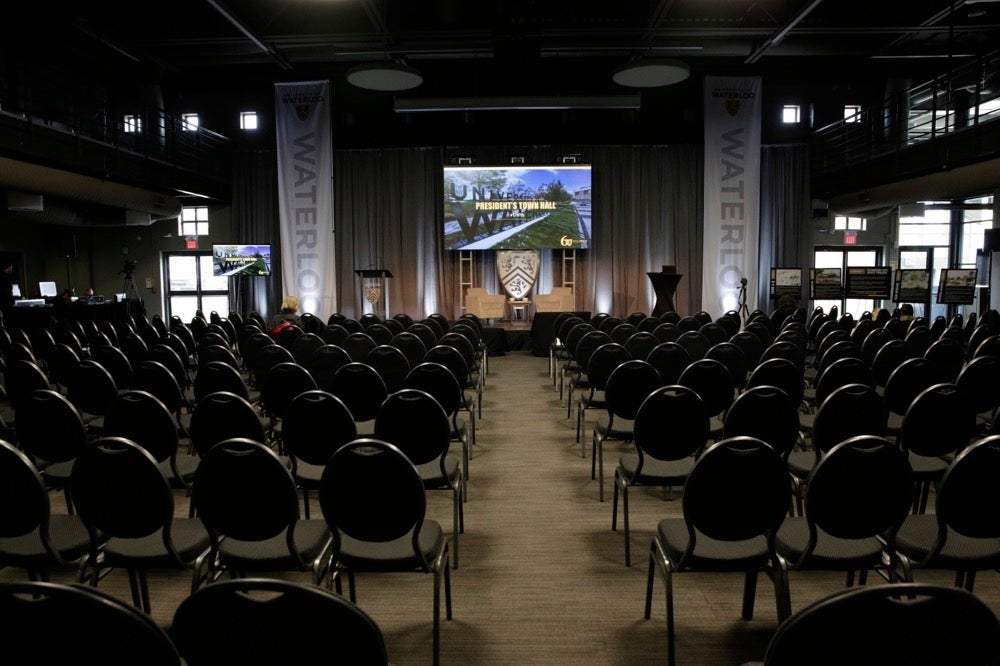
{"type": "Point", "coordinates": [933, 228]}
{"type": "Point", "coordinates": [791, 114]}
{"type": "Point", "coordinates": [131, 124]}
{"type": "Point", "coordinates": [193, 221]}
{"type": "Point", "coordinates": [248, 120]}
{"type": "Point", "coordinates": [189, 122]}
{"type": "Point", "coordinates": [844, 223]}
{"type": "Point", "coordinates": [976, 219]}
{"type": "Point", "coordinates": [852, 113]}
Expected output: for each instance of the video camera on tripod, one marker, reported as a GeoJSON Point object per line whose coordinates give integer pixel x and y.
{"type": "Point", "coordinates": [128, 268]}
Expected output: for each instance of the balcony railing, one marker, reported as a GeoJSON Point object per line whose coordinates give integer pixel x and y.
{"type": "Point", "coordinates": [964, 98]}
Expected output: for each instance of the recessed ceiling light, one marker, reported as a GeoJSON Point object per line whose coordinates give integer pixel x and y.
{"type": "Point", "coordinates": [651, 73]}
{"type": "Point", "coordinates": [389, 76]}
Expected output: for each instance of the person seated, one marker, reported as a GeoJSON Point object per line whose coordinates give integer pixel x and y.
{"type": "Point", "coordinates": [287, 315]}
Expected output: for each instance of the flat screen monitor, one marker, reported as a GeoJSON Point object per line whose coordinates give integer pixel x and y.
{"type": "Point", "coordinates": [47, 289]}
{"type": "Point", "coordinates": [238, 260]}
{"type": "Point", "coordinates": [517, 207]}
{"type": "Point", "coordinates": [15, 290]}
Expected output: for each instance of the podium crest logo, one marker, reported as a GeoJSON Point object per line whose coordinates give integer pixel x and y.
{"type": "Point", "coordinates": [518, 270]}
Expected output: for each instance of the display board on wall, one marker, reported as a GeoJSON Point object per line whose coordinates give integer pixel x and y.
{"type": "Point", "coordinates": [786, 281]}
{"type": "Point", "coordinates": [826, 284]}
{"type": "Point", "coordinates": [912, 286]}
{"type": "Point", "coordinates": [868, 282]}
{"type": "Point", "coordinates": [957, 286]}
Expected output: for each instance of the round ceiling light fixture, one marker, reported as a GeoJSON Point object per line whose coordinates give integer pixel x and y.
{"type": "Point", "coordinates": [651, 73]}
{"type": "Point", "coordinates": [389, 76]}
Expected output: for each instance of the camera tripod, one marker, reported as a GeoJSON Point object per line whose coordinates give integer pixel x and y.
{"type": "Point", "coordinates": [741, 301]}
{"type": "Point", "coordinates": [130, 288]}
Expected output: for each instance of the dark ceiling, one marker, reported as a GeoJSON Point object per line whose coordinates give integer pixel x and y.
{"type": "Point", "coordinates": [500, 46]}
{"type": "Point", "coordinates": [188, 49]}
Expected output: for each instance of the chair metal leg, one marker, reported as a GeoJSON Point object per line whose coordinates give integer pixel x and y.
{"type": "Point", "coordinates": [749, 593]}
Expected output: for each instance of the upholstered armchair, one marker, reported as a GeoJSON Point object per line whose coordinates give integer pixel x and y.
{"type": "Point", "coordinates": [484, 304]}
{"type": "Point", "coordinates": [560, 299]}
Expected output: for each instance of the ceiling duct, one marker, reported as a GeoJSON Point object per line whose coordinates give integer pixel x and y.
{"type": "Point", "coordinates": [74, 187]}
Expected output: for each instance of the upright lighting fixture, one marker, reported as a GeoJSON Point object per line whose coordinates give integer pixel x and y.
{"type": "Point", "coordinates": [387, 76]}
{"type": "Point", "coordinates": [651, 73]}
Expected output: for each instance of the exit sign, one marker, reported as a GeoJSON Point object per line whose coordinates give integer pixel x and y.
{"type": "Point", "coordinates": [191, 242]}
{"type": "Point", "coordinates": [850, 237]}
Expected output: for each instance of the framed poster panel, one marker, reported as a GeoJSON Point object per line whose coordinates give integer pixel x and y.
{"type": "Point", "coordinates": [786, 281]}
{"type": "Point", "coordinates": [868, 282]}
{"type": "Point", "coordinates": [957, 286]}
{"type": "Point", "coordinates": [826, 284]}
{"type": "Point", "coordinates": [912, 286]}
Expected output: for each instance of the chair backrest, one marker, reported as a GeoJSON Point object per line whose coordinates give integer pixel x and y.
{"type": "Point", "coordinates": [114, 361]}
{"type": "Point", "coordinates": [439, 381]}
{"type": "Point", "coordinates": [25, 500]}
{"type": "Point", "coordinates": [737, 490]}
{"type": "Point", "coordinates": [391, 364]}
{"type": "Point", "coordinates": [846, 370]}
{"type": "Point", "coordinates": [414, 422]}
{"type": "Point", "coordinates": [861, 488]}
{"type": "Point", "coordinates": [942, 625]}
{"type": "Point", "coordinates": [731, 356]}
{"type": "Point", "coordinates": [21, 378]}
{"type": "Point", "coordinates": [40, 617]}
{"type": "Point", "coordinates": [358, 346]}
{"type": "Point", "coordinates": [370, 491]}
{"type": "Point", "coordinates": [49, 427]}
{"type": "Point", "coordinates": [282, 384]}
{"type": "Point", "coordinates": [603, 361]}
{"type": "Point", "coordinates": [947, 357]}
{"type": "Point", "coordinates": [334, 334]}
{"type": "Point", "coordinates": [940, 421]}
{"type": "Point", "coordinates": [219, 376]}
{"type": "Point", "coordinates": [751, 345]}
{"type": "Point", "coordinates": [784, 349]}
{"type": "Point", "coordinates": [425, 332]}
{"type": "Point", "coordinates": [91, 387]}
{"type": "Point", "coordinates": [712, 381]}
{"type": "Point", "coordinates": [143, 418]}
{"type": "Point", "coordinates": [851, 410]}
{"type": "Point", "coordinates": [411, 345]}
{"type": "Point", "coordinates": [154, 377]}
{"type": "Point", "coordinates": [671, 424]}
{"type": "Point", "coordinates": [452, 359]}
{"type": "Point", "coordinates": [696, 344]}
{"type": "Point", "coordinates": [641, 343]}
{"type": "Point", "coordinates": [224, 415]}
{"type": "Point", "coordinates": [379, 332]}
{"type": "Point", "coordinates": [667, 332]}
{"type": "Point", "coordinates": [780, 372]}
{"type": "Point", "coordinates": [978, 380]}
{"type": "Point", "coordinates": [888, 357]}
{"type": "Point", "coordinates": [767, 413]}
{"type": "Point", "coordinates": [968, 499]}
{"type": "Point", "coordinates": [326, 361]}
{"type": "Point", "coordinates": [252, 620]}
{"type": "Point", "coordinates": [304, 347]}
{"type": "Point", "coordinates": [316, 424]}
{"type": "Point", "coordinates": [715, 332]}
{"type": "Point", "coordinates": [361, 388]}
{"type": "Point", "coordinates": [906, 382]}
{"type": "Point", "coordinates": [622, 332]}
{"type": "Point", "coordinates": [119, 490]}
{"type": "Point", "coordinates": [586, 347]}
{"type": "Point", "coordinates": [670, 359]}
{"type": "Point", "coordinates": [243, 491]}
{"type": "Point", "coordinates": [628, 385]}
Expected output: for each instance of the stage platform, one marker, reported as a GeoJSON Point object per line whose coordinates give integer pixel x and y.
{"type": "Point", "coordinates": [534, 335]}
{"type": "Point", "coordinates": [502, 336]}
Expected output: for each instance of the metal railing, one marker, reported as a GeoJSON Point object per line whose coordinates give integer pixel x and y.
{"type": "Point", "coordinates": [111, 118]}
{"type": "Point", "coordinates": [954, 102]}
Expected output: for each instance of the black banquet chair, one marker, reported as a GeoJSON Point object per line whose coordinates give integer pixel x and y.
{"type": "Point", "coordinates": [374, 501]}
{"type": "Point", "coordinates": [903, 623]}
{"type": "Point", "coordinates": [58, 623]}
{"type": "Point", "coordinates": [735, 498]}
{"type": "Point", "coordinates": [273, 621]}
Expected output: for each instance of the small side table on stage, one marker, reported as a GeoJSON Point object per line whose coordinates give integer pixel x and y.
{"type": "Point", "coordinates": [664, 285]}
{"type": "Point", "coordinates": [519, 308]}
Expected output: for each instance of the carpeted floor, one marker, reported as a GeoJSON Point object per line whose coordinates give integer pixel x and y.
{"type": "Point", "coordinates": [542, 578]}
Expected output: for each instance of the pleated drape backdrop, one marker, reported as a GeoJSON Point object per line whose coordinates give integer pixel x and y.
{"type": "Point", "coordinates": [647, 212]}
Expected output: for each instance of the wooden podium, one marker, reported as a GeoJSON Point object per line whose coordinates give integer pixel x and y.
{"type": "Point", "coordinates": [664, 286]}
{"type": "Point", "coordinates": [374, 288]}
